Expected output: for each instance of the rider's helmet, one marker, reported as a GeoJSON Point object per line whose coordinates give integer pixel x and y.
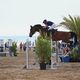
{"type": "Point", "coordinates": [44, 21]}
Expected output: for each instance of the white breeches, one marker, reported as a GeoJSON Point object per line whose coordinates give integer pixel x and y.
{"type": "Point", "coordinates": [52, 27]}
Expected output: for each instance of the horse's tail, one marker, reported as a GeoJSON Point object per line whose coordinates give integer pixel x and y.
{"type": "Point", "coordinates": [74, 37]}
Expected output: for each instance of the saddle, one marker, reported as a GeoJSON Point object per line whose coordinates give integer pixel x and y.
{"type": "Point", "coordinates": [52, 30]}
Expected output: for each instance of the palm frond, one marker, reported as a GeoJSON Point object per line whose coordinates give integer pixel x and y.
{"type": "Point", "coordinates": [73, 24]}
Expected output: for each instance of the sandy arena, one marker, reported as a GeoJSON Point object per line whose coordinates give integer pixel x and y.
{"type": "Point", "coordinates": [12, 68]}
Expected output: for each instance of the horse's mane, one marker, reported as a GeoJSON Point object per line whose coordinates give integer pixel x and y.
{"type": "Point", "coordinates": [37, 25]}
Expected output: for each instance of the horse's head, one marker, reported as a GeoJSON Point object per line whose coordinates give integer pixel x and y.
{"type": "Point", "coordinates": [32, 31]}
{"type": "Point", "coordinates": [36, 28]}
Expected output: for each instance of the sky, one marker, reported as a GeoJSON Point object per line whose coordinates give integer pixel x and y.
{"type": "Point", "coordinates": [16, 16]}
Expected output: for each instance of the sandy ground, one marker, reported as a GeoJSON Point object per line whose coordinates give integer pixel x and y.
{"type": "Point", "coordinates": [12, 68]}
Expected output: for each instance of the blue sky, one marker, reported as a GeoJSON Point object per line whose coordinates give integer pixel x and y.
{"type": "Point", "coordinates": [16, 16]}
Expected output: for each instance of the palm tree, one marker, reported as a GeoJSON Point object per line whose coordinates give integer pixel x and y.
{"type": "Point", "coordinates": [73, 24]}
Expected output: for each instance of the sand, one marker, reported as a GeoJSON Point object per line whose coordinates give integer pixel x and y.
{"type": "Point", "coordinates": [12, 68]}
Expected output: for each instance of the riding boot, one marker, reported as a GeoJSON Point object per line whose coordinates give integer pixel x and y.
{"type": "Point", "coordinates": [52, 30]}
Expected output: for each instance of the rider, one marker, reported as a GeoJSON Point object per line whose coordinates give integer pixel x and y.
{"type": "Point", "coordinates": [49, 24]}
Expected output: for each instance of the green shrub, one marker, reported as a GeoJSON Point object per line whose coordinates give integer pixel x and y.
{"type": "Point", "coordinates": [74, 54]}
{"type": "Point", "coordinates": [43, 49]}
{"type": "Point", "coordinates": [14, 48]}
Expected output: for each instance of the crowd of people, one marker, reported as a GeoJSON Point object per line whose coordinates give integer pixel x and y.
{"type": "Point", "coordinates": [22, 46]}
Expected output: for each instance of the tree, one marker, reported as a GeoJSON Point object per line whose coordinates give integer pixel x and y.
{"type": "Point", "coordinates": [73, 24]}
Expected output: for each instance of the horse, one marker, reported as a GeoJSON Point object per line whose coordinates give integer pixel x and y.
{"type": "Point", "coordinates": [56, 35]}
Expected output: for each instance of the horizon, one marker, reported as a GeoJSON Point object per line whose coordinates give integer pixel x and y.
{"type": "Point", "coordinates": [18, 39]}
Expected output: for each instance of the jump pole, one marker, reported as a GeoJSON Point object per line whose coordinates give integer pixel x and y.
{"type": "Point", "coordinates": [27, 52]}
{"type": "Point", "coordinates": [56, 53]}
{"type": "Point", "coordinates": [51, 54]}
{"type": "Point", "coordinates": [51, 51]}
